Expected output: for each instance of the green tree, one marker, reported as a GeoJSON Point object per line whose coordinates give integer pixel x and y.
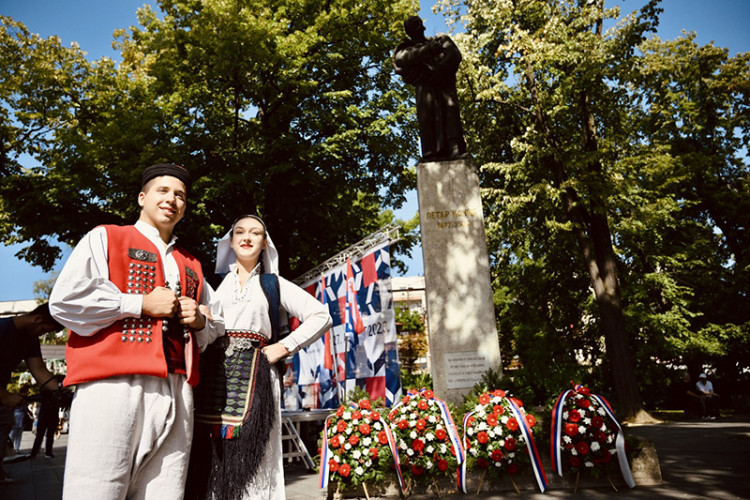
{"type": "Point", "coordinates": [285, 109]}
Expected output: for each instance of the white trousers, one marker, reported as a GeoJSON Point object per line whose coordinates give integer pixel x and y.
{"type": "Point", "coordinates": [129, 437]}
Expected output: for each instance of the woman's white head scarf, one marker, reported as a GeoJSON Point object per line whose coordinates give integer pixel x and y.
{"type": "Point", "coordinates": [225, 257]}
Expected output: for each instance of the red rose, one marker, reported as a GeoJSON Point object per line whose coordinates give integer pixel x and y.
{"type": "Point", "coordinates": [333, 465]}
{"type": "Point", "coordinates": [584, 390]}
{"type": "Point", "coordinates": [344, 470]}
{"type": "Point", "coordinates": [482, 463]}
{"type": "Point", "coordinates": [571, 429]}
{"type": "Point", "coordinates": [574, 462]}
{"type": "Point", "coordinates": [440, 434]}
{"type": "Point", "coordinates": [482, 437]}
{"type": "Point", "coordinates": [334, 442]}
{"type": "Point", "coordinates": [492, 420]}
{"type": "Point", "coordinates": [584, 403]}
{"type": "Point", "coordinates": [422, 405]}
{"type": "Point", "coordinates": [364, 404]}
{"type": "Point", "coordinates": [484, 399]}
{"type": "Point", "coordinates": [417, 445]}
{"type": "Point", "coordinates": [364, 429]}
{"type": "Point", "coordinates": [421, 424]}
{"type": "Point", "coordinates": [597, 422]}
{"type": "Point", "coordinates": [406, 399]}
{"type": "Point", "coordinates": [374, 453]}
{"type": "Point", "coordinates": [574, 416]}
{"type": "Point", "coordinates": [341, 426]}
{"type": "Point", "coordinates": [510, 444]}
{"type": "Point", "coordinates": [403, 424]}
{"type": "Point", "coordinates": [471, 421]}
{"type": "Point", "coordinates": [582, 447]}
{"type": "Point", "coordinates": [530, 420]}
{"type": "Point", "coordinates": [498, 409]}
{"type": "Point", "coordinates": [496, 455]}
{"type": "Point", "coordinates": [512, 424]}
{"type": "Point", "coordinates": [340, 411]}
{"type": "Point", "coordinates": [442, 464]}
{"type": "Point", "coordinates": [600, 436]}
{"type": "Point", "coordinates": [428, 394]}
{"type": "Point", "coordinates": [356, 415]}
{"type": "Point", "coordinates": [383, 437]}
{"type": "Point", "coordinates": [353, 440]}
{"type": "Point", "coordinates": [499, 393]}
{"type": "Point", "coordinates": [512, 469]}
{"type": "Point", "coordinates": [417, 470]}
{"type": "Point", "coordinates": [375, 416]}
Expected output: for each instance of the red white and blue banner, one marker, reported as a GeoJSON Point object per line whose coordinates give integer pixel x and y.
{"type": "Point", "coordinates": [360, 350]}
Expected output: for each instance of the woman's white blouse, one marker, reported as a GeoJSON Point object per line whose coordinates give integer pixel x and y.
{"type": "Point", "coordinates": [246, 308]}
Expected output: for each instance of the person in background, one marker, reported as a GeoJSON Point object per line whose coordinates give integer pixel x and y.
{"type": "Point", "coordinates": [130, 296]}
{"type": "Point", "coordinates": [709, 399]}
{"type": "Point", "coordinates": [19, 341]}
{"type": "Point", "coordinates": [20, 414]}
{"type": "Point", "coordinates": [46, 423]}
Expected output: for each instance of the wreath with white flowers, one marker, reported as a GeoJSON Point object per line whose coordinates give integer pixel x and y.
{"type": "Point", "coordinates": [586, 437]}
{"type": "Point", "coordinates": [426, 438]}
{"type": "Point", "coordinates": [357, 448]}
{"type": "Point", "coordinates": [498, 439]}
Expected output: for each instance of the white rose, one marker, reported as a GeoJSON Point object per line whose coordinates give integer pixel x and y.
{"type": "Point", "coordinates": [356, 454]}
{"type": "Point", "coordinates": [429, 449]}
{"type": "Point", "coordinates": [566, 439]}
{"type": "Point", "coordinates": [367, 441]}
{"type": "Point", "coordinates": [359, 471]}
{"type": "Point", "coordinates": [581, 429]}
{"type": "Point", "coordinates": [595, 446]}
{"type": "Point", "coordinates": [413, 434]}
{"type": "Point", "coordinates": [474, 452]}
{"type": "Point", "coordinates": [588, 464]}
{"type": "Point", "coordinates": [429, 436]}
{"type": "Point", "coordinates": [347, 446]}
{"type": "Point", "coordinates": [410, 452]}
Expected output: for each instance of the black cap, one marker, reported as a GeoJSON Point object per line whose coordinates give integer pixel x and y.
{"type": "Point", "coordinates": [170, 169]}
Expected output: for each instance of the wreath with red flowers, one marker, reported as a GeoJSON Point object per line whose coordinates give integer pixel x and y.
{"type": "Point", "coordinates": [585, 434]}
{"type": "Point", "coordinates": [493, 438]}
{"type": "Point", "coordinates": [422, 436]}
{"type": "Point", "coordinates": [358, 450]}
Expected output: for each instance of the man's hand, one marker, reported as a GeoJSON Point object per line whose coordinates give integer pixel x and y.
{"type": "Point", "coordinates": [190, 314]}
{"type": "Point", "coordinates": [275, 352]}
{"type": "Point", "coordinates": [161, 302]}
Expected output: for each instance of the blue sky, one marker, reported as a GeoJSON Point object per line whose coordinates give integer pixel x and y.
{"type": "Point", "coordinates": [91, 23]}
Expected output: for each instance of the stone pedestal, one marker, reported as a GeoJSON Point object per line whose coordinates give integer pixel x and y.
{"type": "Point", "coordinates": [460, 311]}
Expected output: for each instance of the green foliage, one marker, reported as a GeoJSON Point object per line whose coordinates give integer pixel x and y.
{"type": "Point", "coordinates": [412, 380]}
{"type": "Point", "coordinates": [265, 102]}
{"type": "Point", "coordinates": [592, 139]}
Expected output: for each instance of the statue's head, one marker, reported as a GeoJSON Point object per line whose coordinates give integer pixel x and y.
{"type": "Point", "coordinates": [414, 28]}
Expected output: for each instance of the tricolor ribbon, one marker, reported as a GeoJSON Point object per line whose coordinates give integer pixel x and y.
{"type": "Point", "coordinates": [462, 470]}
{"type": "Point", "coordinates": [536, 462]}
{"type": "Point", "coordinates": [556, 444]}
{"type": "Point", "coordinates": [394, 453]}
{"type": "Point", "coordinates": [622, 458]}
{"type": "Point", "coordinates": [325, 469]}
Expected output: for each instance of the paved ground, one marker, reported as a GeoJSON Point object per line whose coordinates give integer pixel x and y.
{"type": "Point", "coordinates": [698, 459]}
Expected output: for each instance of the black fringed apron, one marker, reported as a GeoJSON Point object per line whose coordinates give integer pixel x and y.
{"type": "Point", "coordinates": [234, 410]}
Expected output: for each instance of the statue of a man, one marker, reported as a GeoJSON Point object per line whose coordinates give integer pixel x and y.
{"type": "Point", "coordinates": [430, 64]}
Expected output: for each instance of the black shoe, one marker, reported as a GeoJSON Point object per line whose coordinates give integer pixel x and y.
{"type": "Point", "coordinates": [49, 455]}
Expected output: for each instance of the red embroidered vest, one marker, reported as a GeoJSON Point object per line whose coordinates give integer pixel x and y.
{"type": "Point", "coordinates": [135, 345]}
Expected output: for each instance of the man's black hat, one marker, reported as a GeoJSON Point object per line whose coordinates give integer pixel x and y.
{"type": "Point", "coordinates": [170, 169]}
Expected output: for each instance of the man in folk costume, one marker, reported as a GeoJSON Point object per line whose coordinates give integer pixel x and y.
{"type": "Point", "coordinates": [131, 297]}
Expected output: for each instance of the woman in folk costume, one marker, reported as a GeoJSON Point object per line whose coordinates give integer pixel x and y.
{"type": "Point", "coordinates": [238, 419]}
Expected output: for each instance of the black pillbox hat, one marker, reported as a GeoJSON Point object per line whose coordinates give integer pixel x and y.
{"type": "Point", "coordinates": [170, 169]}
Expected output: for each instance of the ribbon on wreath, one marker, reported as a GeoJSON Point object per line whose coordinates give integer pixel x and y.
{"type": "Point", "coordinates": [325, 468]}
{"type": "Point", "coordinates": [622, 458]}
{"type": "Point", "coordinates": [556, 442]}
{"type": "Point", "coordinates": [536, 462]}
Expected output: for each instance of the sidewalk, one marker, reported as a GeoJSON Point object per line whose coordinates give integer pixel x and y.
{"type": "Point", "coordinates": [707, 460]}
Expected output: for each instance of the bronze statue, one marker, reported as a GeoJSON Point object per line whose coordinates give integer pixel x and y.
{"type": "Point", "coordinates": [430, 64]}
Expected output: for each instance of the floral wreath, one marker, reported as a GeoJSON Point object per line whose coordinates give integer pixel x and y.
{"type": "Point", "coordinates": [358, 448]}
{"type": "Point", "coordinates": [498, 438]}
{"type": "Point", "coordinates": [586, 435]}
{"type": "Point", "coordinates": [426, 437]}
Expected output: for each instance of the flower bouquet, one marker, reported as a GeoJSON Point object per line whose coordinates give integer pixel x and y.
{"type": "Point", "coordinates": [426, 437]}
{"type": "Point", "coordinates": [498, 438]}
{"type": "Point", "coordinates": [586, 436]}
{"type": "Point", "coordinates": [358, 447]}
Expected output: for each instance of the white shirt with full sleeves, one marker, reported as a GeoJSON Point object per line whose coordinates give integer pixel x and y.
{"type": "Point", "coordinates": [86, 301]}
{"type": "Point", "coordinates": [246, 308]}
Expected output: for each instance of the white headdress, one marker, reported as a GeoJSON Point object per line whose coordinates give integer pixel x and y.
{"type": "Point", "coordinates": [225, 256]}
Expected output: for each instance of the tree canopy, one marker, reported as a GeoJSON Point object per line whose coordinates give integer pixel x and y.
{"type": "Point", "coordinates": [285, 109]}
{"type": "Point", "coordinates": [613, 180]}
